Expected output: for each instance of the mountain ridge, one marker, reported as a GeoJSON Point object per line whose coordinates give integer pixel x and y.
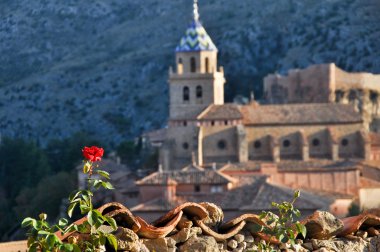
{"type": "Point", "coordinates": [101, 66]}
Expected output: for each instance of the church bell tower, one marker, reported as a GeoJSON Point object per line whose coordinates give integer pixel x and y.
{"type": "Point", "coordinates": [196, 81]}
{"type": "Point", "coordinates": [194, 84]}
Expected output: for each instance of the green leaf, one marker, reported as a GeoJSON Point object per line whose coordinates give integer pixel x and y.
{"type": "Point", "coordinates": [103, 174]}
{"type": "Point", "coordinates": [107, 185]}
{"type": "Point", "coordinates": [90, 218]}
{"type": "Point", "coordinates": [86, 167]}
{"type": "Point", "coordinates": [297, 212]}
{"type": "Point", "coordinates": [94, 218]}
{"type": "Point", "coordinates": [74, 195]}
{"type": "Point", "coordinates": [301, 229]}
{"type": "Point", "coordinates": [111, 221]}
{"type": "Point", "coordinates": [71, 209]}
{"type": "Point", "coordinates": [33, 247]}
{"type": "Point", "coordinates": [67, 247]}
{"type": "Point", "coordinates": [62, 222]}
{"type": "Point", "coordinates": [112, 241]}
{"type": "Point", "coordinates": [28, 222]}
{"type": "Point", "coordinates": [43, 232]}
{"type": "Point", "coordinates": [84, 208]}
{"type": "Point", "coordinates": [102, 240]}
{"type": "Point", "coordinates": [76, 248]}
{"type": "Point", "coordinates": [297, 194]}
{"type": "Point", "coordinates": [50, 240]}
{"type": "Point", "coordinates": [97, 183]}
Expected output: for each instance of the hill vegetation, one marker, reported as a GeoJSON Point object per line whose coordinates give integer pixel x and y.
{"type": "Point", "coordinates": [67, 65]}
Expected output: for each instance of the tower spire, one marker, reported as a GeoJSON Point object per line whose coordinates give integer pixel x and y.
{"type": "Point", "coordinates": [195, 11]}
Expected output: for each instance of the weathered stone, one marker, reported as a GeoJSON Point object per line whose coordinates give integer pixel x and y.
{"type": "Point", "coordinates": [143, 248]}
{"type": "Point", "coordinates": [299, 241]}
{"type": "Point", "coordinates": [352, 237]}
{"type": "Point", "coordinates": [322, 225]}
{"type": "Point", "coordinates": [284, 246]}
{"type": "Point", "coordinates": [373, 232]}
{"type": "Point", "coordinates": [252, 247]}
{"type": "Point", "coordinates": [200, 244]}
{"type": "Point", "coordinates": [184, 234]}
{"type": "Point", "coordinates": [299, 248]}
{"type": "Point", "coordinates": [249, 238]}
{"type": "Point", "coordinates": [221, 246]}
{"type": "Point", "coordinates": [127, 239]}
{"type": "Point", "coordinates": [237, 250]}
{"type": "Point", "coordinates": [308, 246]}
{"type": "Point", "coordinates": [242, 245]}
{"type": "Point", "coordinates": [159, 244]}
{"type": "Point", "coordinates": [314, 243]}
{"type": "Point", "coordinates": [322, 250]}
{"type": "Point", "coordinates": [370, 245]}
{"type": "Point", "coordinates": [215, 214]}
{"type": "Point", "coordinates": [239, 238]}
{"type": "Point", "coordinates": [101, 249]}
{"type": "Point", "coordinates": [232, 243]}
{"type": "Point", "coordinates": [171, 242]}
{"type": "Point", "coordinates": [362, 234]}
{"type": "Point", "coordinates": [184, 223]}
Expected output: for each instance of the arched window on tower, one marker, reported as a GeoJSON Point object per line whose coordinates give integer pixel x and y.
{"type": "Point", "coordinates": [198, 92]}
{"type": "Point", "coordinates": [207, 65]}
{"type": "Point", "coordinates": [180, 66]}
{"type": "Point", "coordinates": [193, 65]}
{"type": "Point", "coordinates": [186, 94]}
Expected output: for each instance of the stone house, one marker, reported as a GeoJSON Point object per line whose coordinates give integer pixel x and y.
{"type": "Point", "coordinates": [327, 83]}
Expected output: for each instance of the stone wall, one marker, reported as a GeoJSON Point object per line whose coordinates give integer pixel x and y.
{"type": "Point", "coordinates": [327, 83]}
{"type": "Point", "coordinates": [335, 181]}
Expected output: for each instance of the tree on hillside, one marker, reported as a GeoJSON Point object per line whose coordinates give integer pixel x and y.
{"type": "Point", "coordinates": [22, 164]}
{"type": "Point", "coordinates": [63, 155]}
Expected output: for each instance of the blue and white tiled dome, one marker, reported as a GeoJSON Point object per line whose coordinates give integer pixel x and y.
{"type": "Point", "coordinates": [196, 37]}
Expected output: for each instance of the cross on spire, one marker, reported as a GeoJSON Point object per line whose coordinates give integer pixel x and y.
{"type": "Point", "coordinates": [195, 11]}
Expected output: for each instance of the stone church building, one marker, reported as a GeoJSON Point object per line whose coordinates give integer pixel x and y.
{"type": "Point", "coordinates": [317, 124]}
{"type": "Point", "coordinates": [311, 132]}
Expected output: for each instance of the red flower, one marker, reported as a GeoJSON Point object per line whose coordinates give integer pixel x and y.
{"type": "Point", "coordinates": [93, 153]}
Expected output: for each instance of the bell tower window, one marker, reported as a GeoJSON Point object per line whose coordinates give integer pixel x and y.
{"type": "Point", "coordinates": [193, 65]}
{"type": "Point", "coordinates": [207, 65]}
{"type": "Point", "coordinates": [198, 92]}
{"type": "Point", "coordinates": [186, 94]}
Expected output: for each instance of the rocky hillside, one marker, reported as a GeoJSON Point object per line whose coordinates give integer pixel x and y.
{"type": "Point", "coordinates": [100, 66]}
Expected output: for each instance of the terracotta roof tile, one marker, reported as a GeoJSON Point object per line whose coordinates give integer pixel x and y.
{"type": "Point", "coordinates": [318, 113]}
{"type": "Point", "coordinates": [190, 176]}
{"type": "Point", "coordinates": [292, 165]}
{"type": "Point", "coordinates": [256, 195]}
{"type": "Point", "coordinates": [221, 112]}
{"type": "Point", "coordinates": [369, 183]}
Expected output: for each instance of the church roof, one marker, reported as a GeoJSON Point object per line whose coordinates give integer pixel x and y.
{"type": "Point", "coordinates": [256, 195]}
{"type": "Point", "coordinates": [196, 39]}
{"type": "Point", "coordinates": [221, 112]}
{"type": "Point", "coordinates": [188, 175]}
{"type": "Point", "coordinates": [291, 114]}
{"type": "Point", "coordinates": [284, 114]}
